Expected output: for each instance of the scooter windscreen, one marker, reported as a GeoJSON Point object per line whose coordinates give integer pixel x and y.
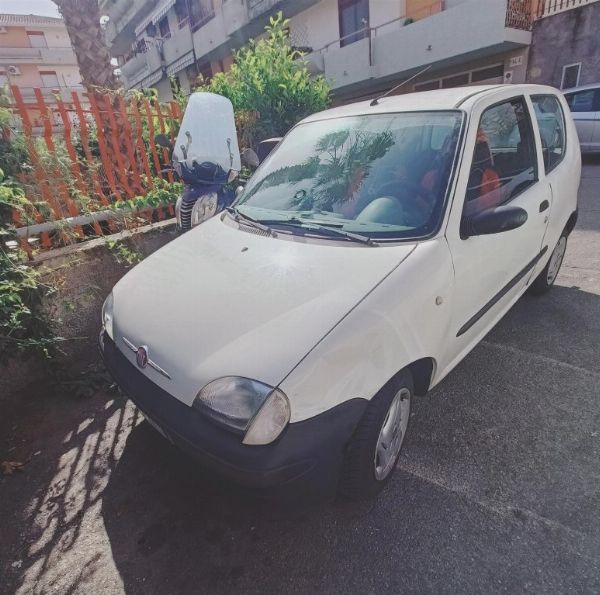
{"type": "Point", "coordinates": [206, 150]}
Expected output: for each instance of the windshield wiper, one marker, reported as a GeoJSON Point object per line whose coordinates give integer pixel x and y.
{"type": "Point", "coordinates": [237, 215]}
{"type": "Point", "coordinates": [326, 227]}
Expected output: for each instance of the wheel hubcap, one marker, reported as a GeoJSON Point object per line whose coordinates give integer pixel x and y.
{"type": "Point", "coordinates": [556, 260]}
{"type": "Point", "coordinates": [391, 435]}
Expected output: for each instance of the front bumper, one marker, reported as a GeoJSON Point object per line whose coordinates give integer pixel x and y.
{"type": "Point", "coordinates": [306, 458]}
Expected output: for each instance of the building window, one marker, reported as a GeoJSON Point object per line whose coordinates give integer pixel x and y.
{"type": "Point", "coordinates": [49, 78]}
{"type": "Point", "coordinates": [37, 39]}
{"type": "Point", "coordinates": [354, 20]}
{"type": "Point", "coordinates": [458, 80]}
{"type": "Point", "coordinates": [570, 76]}
{"type": "Point", "coordinates": [181, 10]}
{"type": "Point", "coordinates": [163, 27]}
{"type": "Point", "coordinates": [428, 86]}
{"type": "Point", "coordinates": [200, 11]}
{"type": "Point", "coordinates": [486, 74]}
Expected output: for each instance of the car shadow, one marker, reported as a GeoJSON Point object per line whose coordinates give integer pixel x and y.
{"type": "Point", "coordinates": [173, 528]}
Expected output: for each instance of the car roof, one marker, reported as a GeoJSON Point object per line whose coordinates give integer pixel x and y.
{"type": "Point", "coordinates": [438, 99]}
{"type": "Point", "coordinates": [582, 88]}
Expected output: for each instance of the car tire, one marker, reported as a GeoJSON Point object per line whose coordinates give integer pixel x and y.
{"type": "Point", "coordinates": [545, 280]}
{"type": "Point", "coordinates": [368, 463]}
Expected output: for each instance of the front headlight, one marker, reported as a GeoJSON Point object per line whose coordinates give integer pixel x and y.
{"type": "Point", "coordinates": [107, 315]}
{"type": "Point", "coordinates": [246, 406]}
{"type": "Point", "coordinates": [205, 208]}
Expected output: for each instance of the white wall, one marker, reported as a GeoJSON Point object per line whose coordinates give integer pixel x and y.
{"type": "Point", "coordinates": [382, 11]}
{"type": "Point", "coordinates": [316, 26]}
{"type": "Point", "coordinates": [56, 37]}
{"type": "Point", "coordinates": [319, 25]}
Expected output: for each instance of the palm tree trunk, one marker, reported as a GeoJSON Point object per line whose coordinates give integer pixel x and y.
{"type": "Point", "coordinates": [82, 19]}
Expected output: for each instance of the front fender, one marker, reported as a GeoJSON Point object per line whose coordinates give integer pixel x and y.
{"type": "Point", "coordinates": [404, 319]}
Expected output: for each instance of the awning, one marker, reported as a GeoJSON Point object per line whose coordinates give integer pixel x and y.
{"type": "Point", "coordinates": [152, 79]}
{"type": "Point", "coordinates": [154, 16]}
{"type": "Point", "coordinates": [180, 63]}
{"type": "Point", "coordinates": [135, 80]}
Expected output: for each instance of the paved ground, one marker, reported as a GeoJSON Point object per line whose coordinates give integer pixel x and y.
{"type": "Point", "coordinates": [498, 488]}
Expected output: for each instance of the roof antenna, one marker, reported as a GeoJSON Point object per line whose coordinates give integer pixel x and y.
{"type": "Point", "coordinates": [412, 78]}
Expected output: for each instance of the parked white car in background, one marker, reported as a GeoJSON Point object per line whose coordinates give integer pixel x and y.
{"type": "Point", "coordinates": [282, 342]}
{"type": "Point", "coordinates": [584, 103]}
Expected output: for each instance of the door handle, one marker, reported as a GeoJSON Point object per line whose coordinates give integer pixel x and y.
{"type": "Point", "coordinates": [544, 206]}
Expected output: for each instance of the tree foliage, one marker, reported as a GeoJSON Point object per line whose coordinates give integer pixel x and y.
{"type": "Point", "coordinates": [269, 76]}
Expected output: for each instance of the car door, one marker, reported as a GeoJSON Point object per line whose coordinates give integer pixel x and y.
{"type": "Point", "coordinates": [501, 167]}
{"type": "Point", "coordinates": [585, 107]}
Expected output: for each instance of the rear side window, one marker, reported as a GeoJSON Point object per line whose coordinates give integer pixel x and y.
{"type": "Point", "coordinates": [504, 162]}
{"type": "Point", "coordinates": [551, 122]}
{"type": "Point", "coordinates": [584, 101]}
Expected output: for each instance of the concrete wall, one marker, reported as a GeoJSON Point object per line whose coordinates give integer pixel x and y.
{"type": "Point", "coordinates": [84, 275]}
{"type": "Point", "coordinates": [316, 26]}
{"type": "Point", "coordinates": [566, 38]}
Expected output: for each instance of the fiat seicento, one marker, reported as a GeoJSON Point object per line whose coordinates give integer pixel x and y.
{"type": "Point", "coordinates": [282, 342]}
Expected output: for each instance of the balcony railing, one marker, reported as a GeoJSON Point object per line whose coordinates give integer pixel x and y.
{"type": "Point", "coordinates": [371, 32]}
{"type": "Point", "coordinates": [21, 54]}
{"type": "Point", "coordinates": [548, 8]}
{"type": "Point", "coordinates": [519, 14]}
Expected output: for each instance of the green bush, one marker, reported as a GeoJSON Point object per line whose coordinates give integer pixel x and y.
{"type": "Point", "coordinates": [268, 76]}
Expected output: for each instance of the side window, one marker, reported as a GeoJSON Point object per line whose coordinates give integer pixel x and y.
{"type": "Point", "coordinates": [551, 122]}
{"type": "Point", "coordinates": [584, 101]}
{"type": "Point", "coordinates": [504, 162]}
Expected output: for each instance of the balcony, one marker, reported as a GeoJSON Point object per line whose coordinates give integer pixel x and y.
{"type": "Point", "coordinates": [21, 55]}
{"type": "Point", "coordinates": [141, 66]}
{"type": "Point", "coordinates": [547, 8]}
{"type": "Point", "coordinates": [468, 31]}
{"type": "Point", "coordinates": [50, 94]}
{"type": "Point", "coordinates": [178, 45]}
{"type": "Point", "coordinates": [58, 56]}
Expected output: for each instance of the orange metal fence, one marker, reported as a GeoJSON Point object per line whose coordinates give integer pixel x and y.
{"type": "Point", "coordinates": [87, 153]}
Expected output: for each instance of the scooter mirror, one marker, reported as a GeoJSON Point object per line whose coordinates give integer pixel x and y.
{"type": "Point", "coordinates": [239, 190]}
{"type": "Point", "coordinates": [162, 140]}
{"type": "Point", "coordinates": [249, 158]}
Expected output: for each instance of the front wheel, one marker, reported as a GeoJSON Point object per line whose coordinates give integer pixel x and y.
{"type": "Point", "coordinates": [373, 452]}
{"type": "Point", "coordinates": [545, 280]}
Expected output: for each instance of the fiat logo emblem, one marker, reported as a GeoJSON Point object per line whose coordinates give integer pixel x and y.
{"type": "Point", "coordinates": [141, 356]}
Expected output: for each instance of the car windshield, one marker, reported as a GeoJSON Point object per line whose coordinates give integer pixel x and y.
{"type": "Point", "coordinates": [381, 176]}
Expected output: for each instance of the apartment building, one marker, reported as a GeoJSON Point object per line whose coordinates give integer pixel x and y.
{"type": "Point", "coordinates": [35, 52]}
{"type": "Point", "coordinates": [565, 50]}
{"type": "Point", "coordinates": [361, 46]}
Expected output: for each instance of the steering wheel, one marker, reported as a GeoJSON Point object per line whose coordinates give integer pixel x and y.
{"type": "Point", "coordinates": [417, 212]}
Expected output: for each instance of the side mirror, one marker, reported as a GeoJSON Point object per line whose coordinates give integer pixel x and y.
{"type": "Point", "coordinates": [239, 190]}
{"type": "Point", "coordinates": [498, 220]}
{"type": "Point", "coordinates": [162, 140]}
{"type": "Point", "coordinates": [266, 146]}
{"type": "Point", "coordinates": [249, 158]}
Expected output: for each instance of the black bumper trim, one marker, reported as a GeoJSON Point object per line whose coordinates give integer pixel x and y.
{"type": "Point", "coordinates": [309, 452]}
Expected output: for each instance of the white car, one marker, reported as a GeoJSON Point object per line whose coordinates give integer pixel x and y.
{"type": "Point", "coordinates": [584, 103]}
{"type": "Point", "coordinates": [283, 342]}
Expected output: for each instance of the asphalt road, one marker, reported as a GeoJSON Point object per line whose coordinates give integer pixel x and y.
{"type": "Point", "coordinates": [498, 487]}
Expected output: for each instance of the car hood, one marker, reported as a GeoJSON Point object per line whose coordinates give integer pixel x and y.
{"type": "Point", "coordinates": [219, 301]}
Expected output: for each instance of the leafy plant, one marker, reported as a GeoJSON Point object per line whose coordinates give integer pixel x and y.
{"type": "Point", "coordinates": [24, 327]}
{"type": "Point", "coordinates": [269, 77]}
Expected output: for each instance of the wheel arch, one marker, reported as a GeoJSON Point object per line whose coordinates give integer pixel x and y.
{"type": "Point", "coordinates": [422, 372]}
{"type": "Point", "coordinates": [570, 226]}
